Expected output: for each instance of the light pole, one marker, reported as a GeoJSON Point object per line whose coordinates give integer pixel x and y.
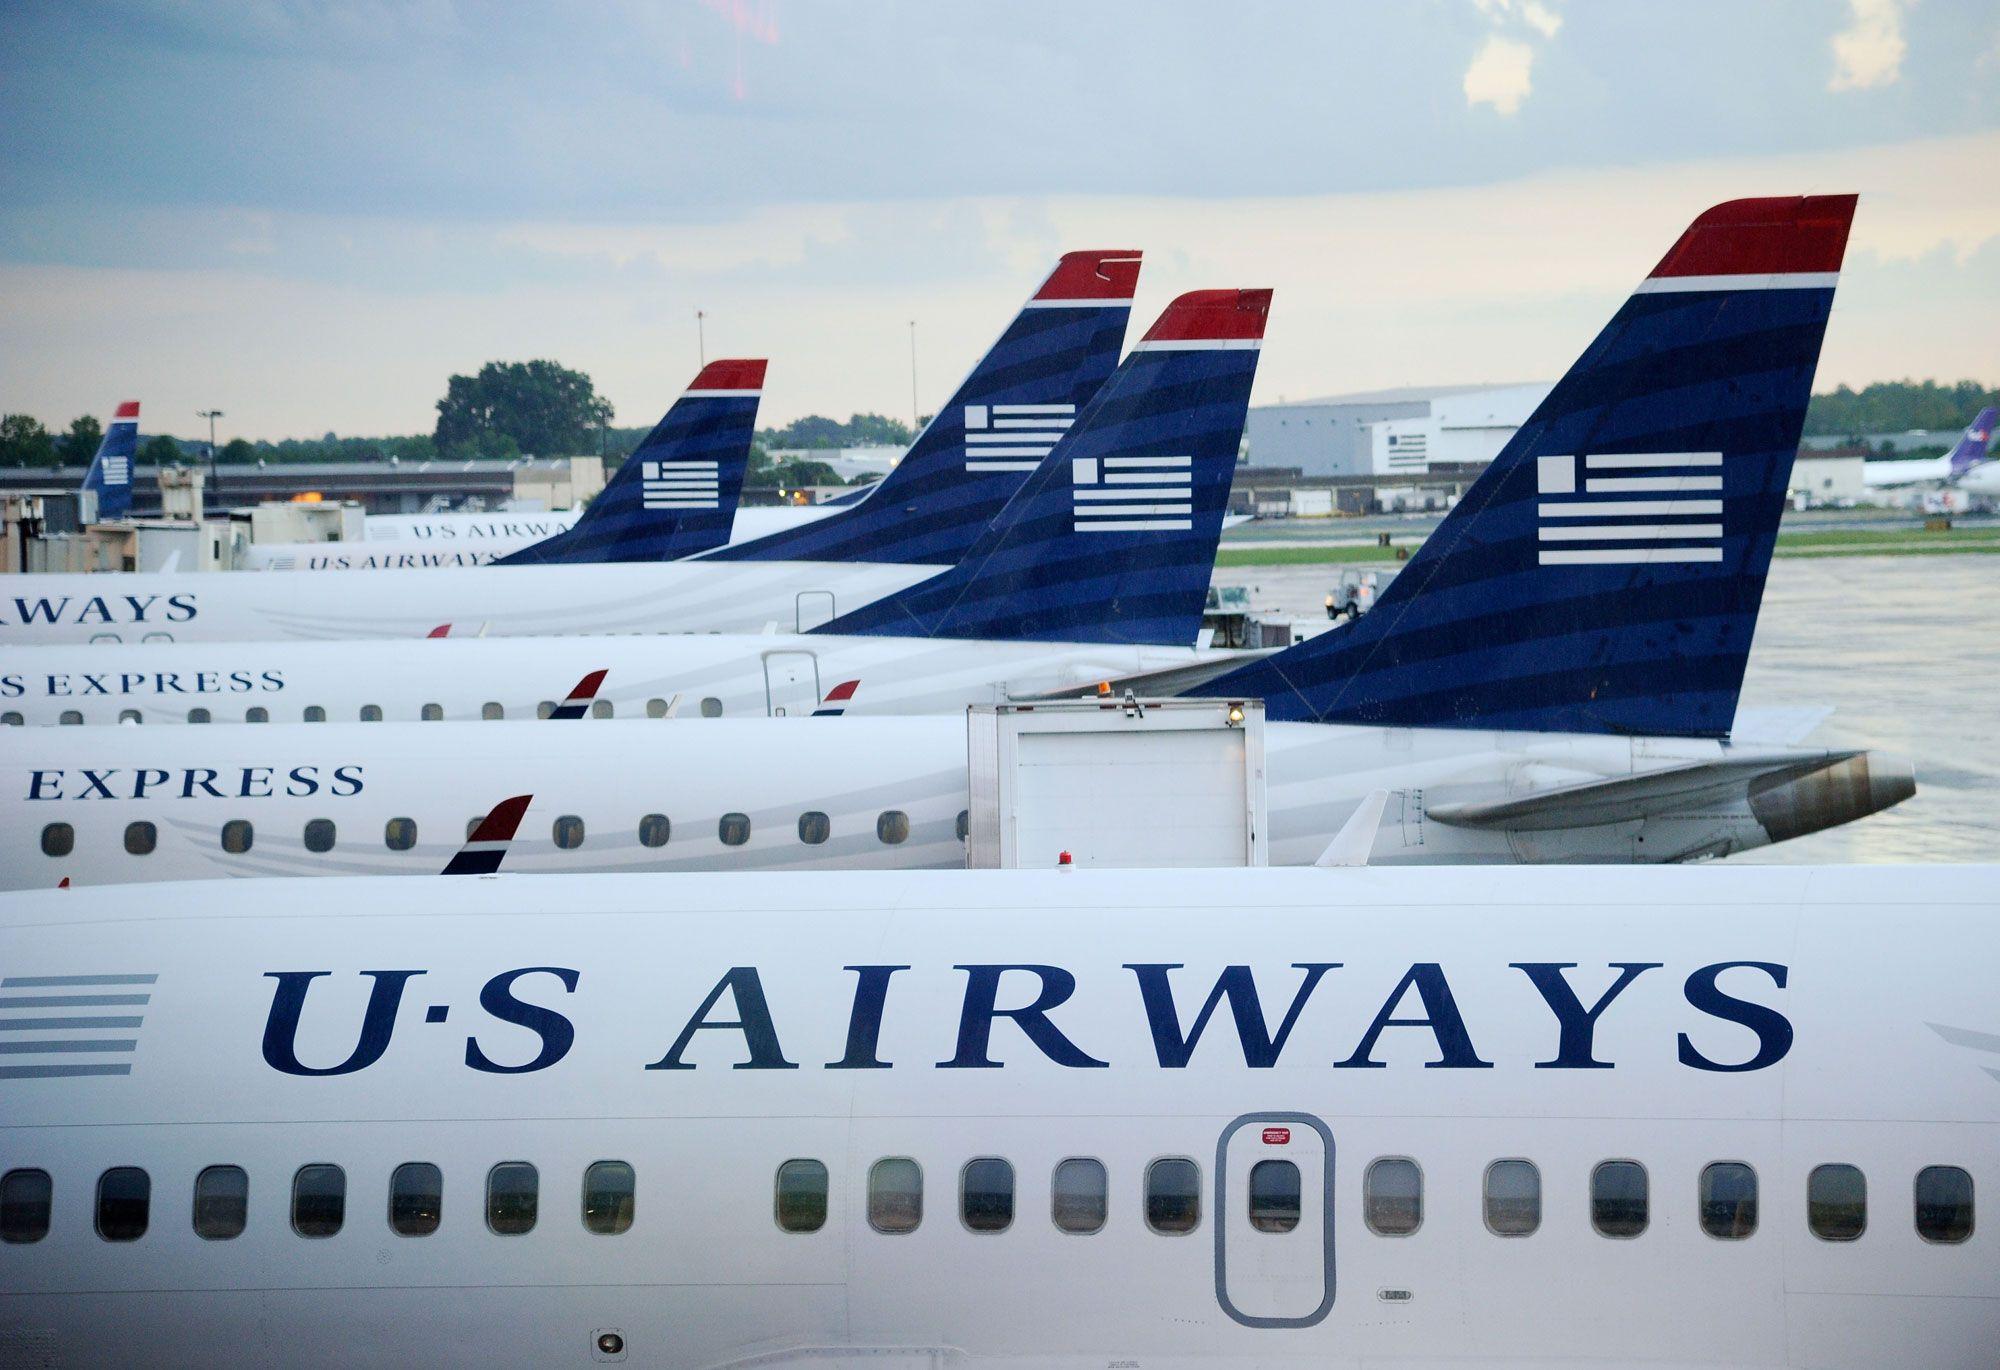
{"type": "Point", "coordinates": [214, 480]}
{"type": "Point", "coordinates": [913, 378]}
{"type": "Point", "coordinates": [700, 340]}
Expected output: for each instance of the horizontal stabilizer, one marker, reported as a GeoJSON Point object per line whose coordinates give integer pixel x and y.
{"type": "Point", "coordinates": [1161, 684]}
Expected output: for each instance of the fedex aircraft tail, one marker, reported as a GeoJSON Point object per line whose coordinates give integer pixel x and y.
{"type": "Point", "coordinates": [1113, 537]}
{"type": "Point", "coordinates": [1972, 447]}
{"type": "Point", "coordinates": [1603, 575]}
{"type": "Point", "coordinates": [110, 473]}
{"type": "Point", "coordinates": [677, 493]}
{"type": "Point", "coordinates": [978, 449]}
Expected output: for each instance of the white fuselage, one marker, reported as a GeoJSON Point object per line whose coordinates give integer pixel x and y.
{"type": "Point", "coordinates": [430, 541]}
{"type": "Point", "coordinates": [736, 794]}
{"type": "Point", "coordinates": [649, 675]}
{"type": "Point", "coordinates": [500, 601]}
{"type": "Point", "coordinates": [1711, 1117]}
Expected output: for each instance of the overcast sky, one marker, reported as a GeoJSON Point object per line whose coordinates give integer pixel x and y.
{"type": "Point", "coordinates": [309, 214]}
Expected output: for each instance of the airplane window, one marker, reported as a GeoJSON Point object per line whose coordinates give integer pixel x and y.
{"type": "Point", "coordinates": [416, 1199]}
{"type": "Point", "coordinates": [319, 1200]}
{"type": "Point", "coordinates": [895, 1195]}
{"type": "Point", "coordinates": [1944, 1204]}
{"type": "Point", "coordinates": [1728, 1200]}
{"type": "Point", "coordinates": [1274, 1196]}
{"type": "Point", "coordinates": [1173, 1196]}
{"type": "Point", "coordinates": [656, 708]}
{"type": "Point", "coordinates": [432, 713]}
{"type": "Point", "coordinates": [711, 707]}
{"type": "Point", "coordinates": [568, 832]}
{"type": "Point", "coordinates": [654, 830]}
{"type": "Point", "coordinates": [892, 826]}
{"type": "Point", "coordinates": [141, 838]}
{"type": "Point", "coordinates": [608, 1198]}
{"type": "Point", "coordinates": [801, 1205]}
{"type": "Point", "coordinates": [25, 1198]}
{"type": "Point", "coordinates": [1619, 1198]}
{"type": "Point", "coordinates": [399, 834]}
{"type": "Point", "coordinates": [733, 829]}
{"type": "Point", "coordinates": [58, 839]}
{"type": "Point", "coordinates": [491, 710]}
{"type": "Point", "coordinates": [197, 715]}
{"type": "Point", "coordinates": [72, 717]}
{"type": "Point", "coordinates": [814, 827]}
{"type": "Point", "coordinates": [512, 1190]}
{"type": "Point", "coordinates": [319, 834]}
{"type": "Point", "coordinates": [986, 1194]}
{"type": "Point", "coordinates": [601, 708]}
{"type": "Point", "coordinates": [124, 1201]}
{"type": "Point", "coordinates": [237, 836]}
{"type": "Point", "coordinates": [130, 716]}
{"type": "Point", "coordinates": [964, 824]}
{"type": "Point", "coordinates": [1079, 1195]}
{"type": "Point", "coordinates": [11, 719]}
{"type": "Point", "coordinates": [255, 714]}
{"type": "Point", "coordinates": [371, 713]}
{"type": "Point", "coordinates": [314, 714]}
{"type": "Point", "coordinates": [221, 1202]}
{"type": "Point", "coordinates": [1837, 1202]}
{"type": "Point", "coordinates": [545, 709]}
{"type": "Point", "coordinates": [1393, 1197]}
{"type": "Point", "coordinates": [1513, 1198]}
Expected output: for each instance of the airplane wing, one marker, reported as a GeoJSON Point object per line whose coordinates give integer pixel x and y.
{"type": "Point", "coordinates": [1163, 683]}
{"type": "Point", "coordinates": [1625, 798]}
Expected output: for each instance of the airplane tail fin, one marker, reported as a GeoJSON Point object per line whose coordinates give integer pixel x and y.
{"type": "Point", "coordinates": [577, 705]}
{"type": "Point", "coordinates": [677, 493]}
{"type": "Point", "coordinates": [977, 450]}
{"type": "Point", "coordinates": [1603, 575]}
{"type": "Point", "coordinates": [487, 847]}
{"type": "Point", "coordinates": [110, 473]}
{"type": "Point", "coordinates": [1113, 537]}
{"type": "Point", "coordinates": [1974, 444]}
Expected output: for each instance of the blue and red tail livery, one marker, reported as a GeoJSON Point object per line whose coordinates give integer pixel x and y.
{"type": "Point", "coordinates": [976, 452]}
{"type": "Point", "coordinates": [577, 705]}
{"type": "Point", "coordinates": [677, 493]}
{"type": "Point", "coordinates": [487, 847]}
{"type": "Point", "coordinates": [1113, 537]}
{"type": "Point", "coordinates": [1604, 574]}
{"type": "Point", "coordinates": [835, 703]}
{"type": "Point", "coordinates": [110, 473]}
{"type": "Point", "coordinates": [1974, 444]}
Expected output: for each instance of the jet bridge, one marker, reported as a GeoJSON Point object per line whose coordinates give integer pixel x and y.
{"type": "Point", "coordinates": [1116, 781]}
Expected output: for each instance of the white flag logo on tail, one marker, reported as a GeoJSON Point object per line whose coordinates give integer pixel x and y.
{"type": "Point", "coordinates": [1133, 494]}
{"type": "Point", "coordinates": [1629, 507]}
{"type": "Point", "coordinates": [1013, 437]}
{"type": "Point", "coordinates": [679, 485]}
{"type": "Point", "coordinates": [117, 471]}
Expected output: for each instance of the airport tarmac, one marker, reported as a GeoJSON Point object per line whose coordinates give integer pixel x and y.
{"type": "Point", "coordinates": [1905, 649]}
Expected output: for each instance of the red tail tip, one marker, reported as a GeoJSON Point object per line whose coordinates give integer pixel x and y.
{"type": "Point", "coordinates": [1102, 275]}
{"type": "Point", "coordinates": [734, 374]}
{"type": "Point", "coordinates": [63, 883]}
{"type": "Point", "coordinates": [844, 690]}
{"type": "Point", "coordinates": [442, 630]}
{"type": "Point", "coordinates": [500, 823]}
{"type": "Point", "coordinates": [1783, 235]}
{"type": "Point", "coordinates": [128, 409]}
{"type": "Point", "coordinates": [1213, 316]}
{"type": "Point", "coordinates": [587, 687]}
{"type": "Point", "coordinates": [1065, 859]}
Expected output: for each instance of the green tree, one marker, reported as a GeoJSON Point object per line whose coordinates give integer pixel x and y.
{"type": "Point", "coordinates": [24, 442]}
{"type": "Point", "coordinates": [514, 407]}
{"type": "Point", "coordinates": [237, 452]}
{"type": "Point", "coordinates": [160, 450]}
{"type": "Point", "coordinates": [80, 445]}
{"type": "Point", "coordinates": [860, 430]}
{"type": "Point", "coordinates": [1895, 407]}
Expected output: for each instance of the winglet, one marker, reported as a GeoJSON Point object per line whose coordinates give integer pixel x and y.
{"type": "Point", "coordinates": [577, 705]}
{"type": "Point", "coordinates": [1355, 842]}
{"type": "Point", "coordinates": [1784, 240]}
{"type": "Point", "coordinates": [1088, 277]}
{"type": "Point", "coordinates": [487, 847]}
{"type": "Point", "coordinates": [1211, 318]}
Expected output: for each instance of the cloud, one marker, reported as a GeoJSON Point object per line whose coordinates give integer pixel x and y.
{"type": "Point", "coordinates": [1869, 51]}
{"type": "Point", "coordinates": [1500, 75]}
{"type": "Point", "coordinates": [1541, 18]}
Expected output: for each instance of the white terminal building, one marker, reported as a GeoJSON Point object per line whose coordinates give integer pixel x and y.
{"type": "Point", "coordinates": [1400, 433]}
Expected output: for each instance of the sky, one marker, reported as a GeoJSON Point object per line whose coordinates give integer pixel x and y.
{"type": "Point", "coordinates": [309, 214]}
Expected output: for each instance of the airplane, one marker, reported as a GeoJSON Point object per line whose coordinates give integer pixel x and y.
{"type": "Point", "coordinates": [109, 476]}
{"type": "Point", "coordinates": [926, 514]}
{"type": "Point", "coordinates": [1968, 466]}
{"type": "Point", "coordinates": [1535, 688]}
{"type": "Point", "coordinates": [1072, 584]}
{"type": "Point", "coordinates": [1019, 1120]}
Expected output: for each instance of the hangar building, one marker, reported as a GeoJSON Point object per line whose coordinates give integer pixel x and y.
{"type": "Point", "coordinates": [1390, 432]}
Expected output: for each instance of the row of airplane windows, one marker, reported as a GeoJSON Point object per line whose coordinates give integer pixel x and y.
{"type": "Point", "coordinates": [711, 707]}
{"type": "Point", "coordinates": [1079, 1199]}
{"type": "Point", "coordinates": [892, 827]}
